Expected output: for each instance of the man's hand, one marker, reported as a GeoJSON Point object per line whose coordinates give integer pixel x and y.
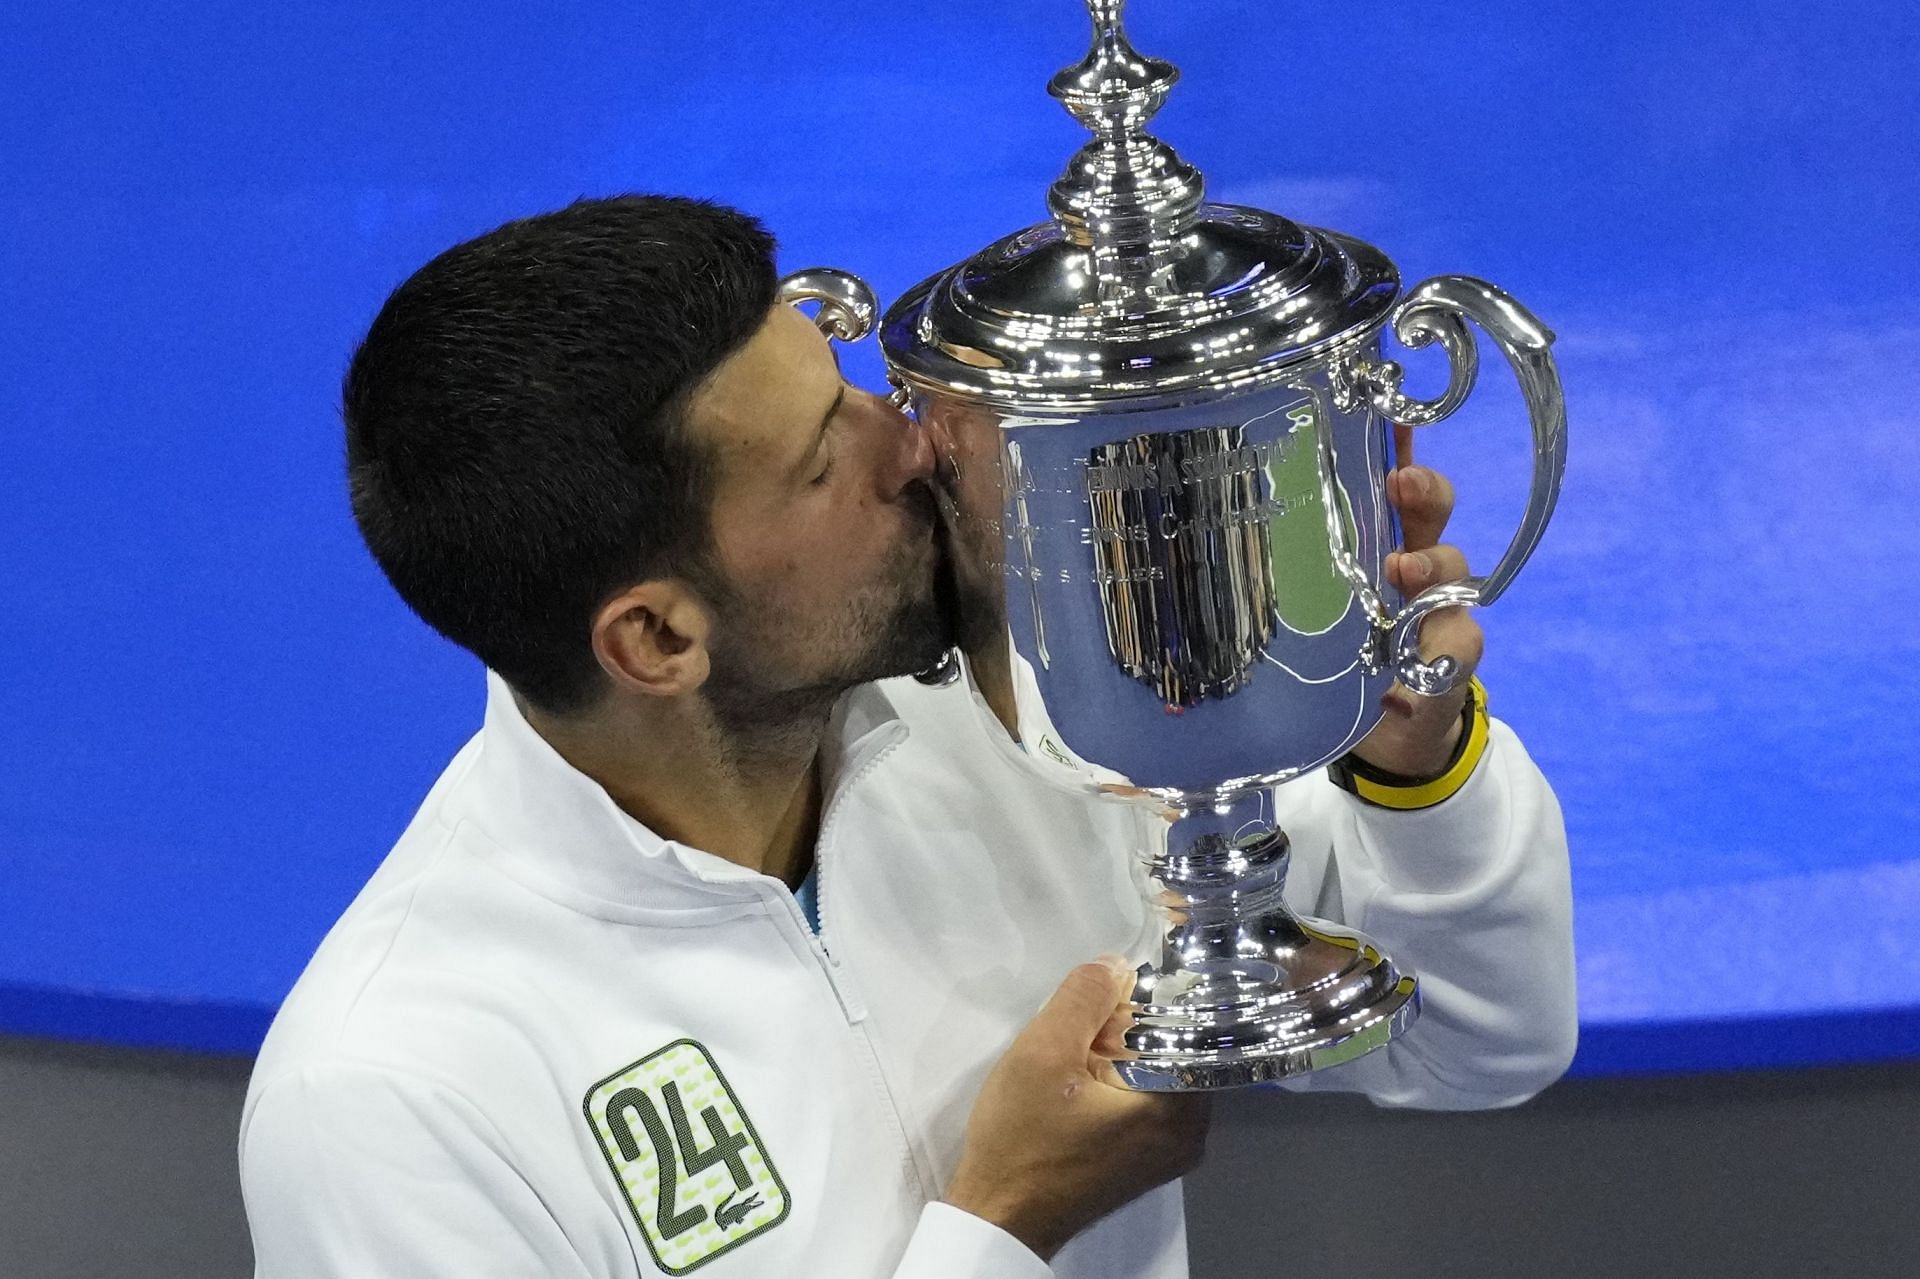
{"type": "Point", "coordinates": [1055, 1142]}
{"type": "Point", "coordinates": [1418, 735]}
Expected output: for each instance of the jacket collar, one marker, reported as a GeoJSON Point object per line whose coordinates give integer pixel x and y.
{"type": "Point", "coordinates": [562, 830]}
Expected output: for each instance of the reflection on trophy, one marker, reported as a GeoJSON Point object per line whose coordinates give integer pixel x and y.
{"type": "Point", "coordinates": [1174, 424]}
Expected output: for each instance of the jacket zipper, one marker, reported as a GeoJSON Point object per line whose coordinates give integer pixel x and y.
{"type": "Point", "coordinates": [827, 823]}
{"type": "Point", "coordinates": [850, 1005]}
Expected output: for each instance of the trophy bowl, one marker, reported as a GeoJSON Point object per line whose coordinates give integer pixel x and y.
{"type": "Point", "coordinates": [1168, 425]}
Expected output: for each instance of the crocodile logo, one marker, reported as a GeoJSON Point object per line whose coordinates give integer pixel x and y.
{"type": "Point", "coordinates": [730, 1214]}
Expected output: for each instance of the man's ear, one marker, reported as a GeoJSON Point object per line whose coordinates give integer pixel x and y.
{"type": "Point", "coordinates": [652, 638]}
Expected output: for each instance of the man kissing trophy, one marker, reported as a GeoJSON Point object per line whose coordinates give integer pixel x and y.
{"type": "Point", "coordinates": [1172, 425]}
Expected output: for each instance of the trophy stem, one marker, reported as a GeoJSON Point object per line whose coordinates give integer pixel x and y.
{"type": "Point", "coordinates": [1218, 867]}
{"type": "Point", "coordinates": [1246, 991]}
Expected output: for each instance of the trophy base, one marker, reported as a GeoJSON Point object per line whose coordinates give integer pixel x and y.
{"type": "Point", "coordinates": [1248, 992]}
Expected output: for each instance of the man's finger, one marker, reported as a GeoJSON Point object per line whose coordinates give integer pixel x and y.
{"type": "Point", "coordinates": [1402, 445]}
{"type": "Point", "coordinates": [1453, 632]}
{"type": "Point", "coordinates": [1102, 1069]}
{"type": "Point", "coordinates": [1111, 1042]}
{"type": "Point", "coordinates": [1414, 571]}
{"type": "Point", "coordinates": [1079, 1009]}
{"type": "Point", "coordinates": [1449, 632]}
{"type": "Point", "coordinates": [1424, 498]}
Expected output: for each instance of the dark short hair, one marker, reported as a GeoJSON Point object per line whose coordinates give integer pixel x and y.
{"type": "Point", "coordinates": [517, 450]}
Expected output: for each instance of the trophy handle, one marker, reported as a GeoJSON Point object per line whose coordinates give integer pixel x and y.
{"type": "Point", "coordinates": [847, 305]}
{"type": "Point", "coordinates": [847, 311]}
{"type": "Point", "coordinates": [1438, 310]}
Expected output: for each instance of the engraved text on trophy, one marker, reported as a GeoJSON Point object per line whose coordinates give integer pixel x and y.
{"type": "Point", "coordinates": [1205, 540]}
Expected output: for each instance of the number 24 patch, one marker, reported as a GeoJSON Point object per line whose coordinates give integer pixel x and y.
{"type": "Point", "coordinates": [694, 1171]}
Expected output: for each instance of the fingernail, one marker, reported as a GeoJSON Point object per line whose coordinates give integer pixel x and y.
{"type": "Point", "coordinates": [1416, 480]}
{"type": "Point", "coordinates": [1117, 965]}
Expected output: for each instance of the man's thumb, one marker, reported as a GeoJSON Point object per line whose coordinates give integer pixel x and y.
{"type": "Point", "coordinates": [1082, 1004]}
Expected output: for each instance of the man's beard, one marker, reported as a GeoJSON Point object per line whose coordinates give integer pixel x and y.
{"type": "Point", "coordinates": [903, 625]}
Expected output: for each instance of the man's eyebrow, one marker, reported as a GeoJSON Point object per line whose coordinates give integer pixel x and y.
{"type": "Point", "coordinates": [825, 422]}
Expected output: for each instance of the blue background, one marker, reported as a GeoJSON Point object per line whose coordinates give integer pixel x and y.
{"type": "Point", "coordinates": [216, 718]}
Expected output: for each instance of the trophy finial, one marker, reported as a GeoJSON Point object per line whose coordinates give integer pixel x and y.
{"type": "Point", "coordinates": [1125, 194]}
{"type": "Point", "coordinates": [1113, 90]}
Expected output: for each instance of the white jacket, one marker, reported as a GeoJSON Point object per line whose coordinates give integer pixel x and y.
{"type": "Point", "coordinates": [545, 1042]}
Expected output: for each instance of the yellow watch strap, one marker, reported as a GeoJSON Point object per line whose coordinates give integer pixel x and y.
{"type": "Point", "coordinates": [1466, 759]}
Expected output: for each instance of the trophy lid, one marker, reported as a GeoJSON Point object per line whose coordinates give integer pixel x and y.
{"type": "Point", "coordinates": [1136, 287]}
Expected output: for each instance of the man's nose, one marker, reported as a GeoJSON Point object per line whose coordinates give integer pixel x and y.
{"type": "Point", "coordinates": [912, 455]}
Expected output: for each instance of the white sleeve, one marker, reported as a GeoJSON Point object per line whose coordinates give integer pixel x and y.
{"type": "Point", "coordinates": [951, 1244]}
{"type": "Point", "coordinates": [1475, 896]}
{"type": "Point", "coordinates": [355, 1170]}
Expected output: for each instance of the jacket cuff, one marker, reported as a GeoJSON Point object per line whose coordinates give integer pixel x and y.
{"type": "Point", "coordinates": [951, 1244]}
{"type": "Point", "coordinates": [1451, 846]}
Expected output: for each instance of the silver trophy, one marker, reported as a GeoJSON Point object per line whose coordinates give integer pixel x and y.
{"type": "Point", "coordinates": [1170, 428]}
